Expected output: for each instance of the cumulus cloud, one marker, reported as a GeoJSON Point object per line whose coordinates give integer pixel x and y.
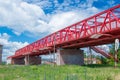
{"type": "Point", "coordinates": [9, 47]}
{"type": "Point", "coordinates": [64, 19]}
{"type": "Point", "coordinates": [21, 16]}
{"type": "Point", "coordinates": [105, 48]}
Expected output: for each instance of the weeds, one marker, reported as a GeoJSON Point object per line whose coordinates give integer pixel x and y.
{"type": "Point", "coordinates": [67, 72]}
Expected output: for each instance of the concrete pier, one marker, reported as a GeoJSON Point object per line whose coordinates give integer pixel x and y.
{"type": "Point", "coordinates": [32, 60]}
{"type": "Point", "coordinates": [18, 61]}
{"type": "Point", "coordinates": [70, 56]}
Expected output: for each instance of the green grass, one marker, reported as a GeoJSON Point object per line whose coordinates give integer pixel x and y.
{"type": "Point", "coordinates": [67, 72]}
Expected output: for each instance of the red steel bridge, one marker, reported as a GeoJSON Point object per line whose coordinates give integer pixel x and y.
{"type": "Point", "coordinates": [101, 28]}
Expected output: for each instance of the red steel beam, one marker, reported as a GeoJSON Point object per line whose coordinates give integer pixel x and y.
{"type": "Point", "coordinates": [98, 50]}
{"type": "Point", "coordinates": [103, 22]}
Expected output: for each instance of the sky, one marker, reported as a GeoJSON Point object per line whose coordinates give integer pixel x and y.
{"type": "Point", "coordinates": [25, 21]}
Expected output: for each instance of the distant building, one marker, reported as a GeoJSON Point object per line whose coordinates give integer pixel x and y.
{"type": "Point", "coordinates": [92, 61]}
{"type": "Point", "coordinates": [1, 47]}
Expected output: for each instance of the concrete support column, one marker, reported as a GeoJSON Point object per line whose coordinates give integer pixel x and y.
{"type": "Point", "coordinates": [32, 60]}
{"type": "Point", "coordinates": [1, 54]}
{"type": "Point", "coordinates": [70, 56]}
{"type": "Point", "coordinates": [18, 61]}
{"type": "Point", "coordinates": [26, 59]}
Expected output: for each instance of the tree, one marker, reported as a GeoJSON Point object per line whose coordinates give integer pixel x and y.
{"type": "Point", "coordinates": [112, 51]}
{"type": "Point", "coordinates": [118, 55]}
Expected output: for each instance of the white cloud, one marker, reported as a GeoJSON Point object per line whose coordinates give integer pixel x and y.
{"type": "Point", "coordinates": [21, 16]}
{"type": "Point", "coordinates": [42, 3]}
{"type": "Point", "coordinates": [9, 47]}
{"type": "Point", "coordinates": [105, 48]}
{"type": "Point", "coordinates": [63, 19]}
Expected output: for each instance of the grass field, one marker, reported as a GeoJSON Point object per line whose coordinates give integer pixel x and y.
{"type": "Point", "coordinates": [67, 72]}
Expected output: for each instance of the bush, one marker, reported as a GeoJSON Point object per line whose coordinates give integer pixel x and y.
{"type": "Point", "coordinates": [3, 63]}
{"type": "Point", "coordinates": [104, 60]}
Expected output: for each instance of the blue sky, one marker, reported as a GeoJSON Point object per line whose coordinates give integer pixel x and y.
{"type": "Point", "coordinates": [25, 21]}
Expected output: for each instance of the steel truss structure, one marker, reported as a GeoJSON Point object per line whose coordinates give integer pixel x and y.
{"type": "Point", "coordinates": [106, 24]}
